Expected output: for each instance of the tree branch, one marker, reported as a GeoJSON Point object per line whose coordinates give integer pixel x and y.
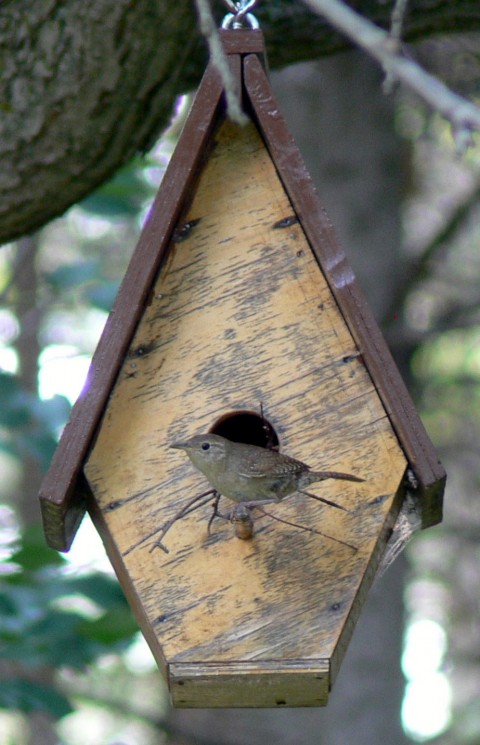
{"type": "Point", "coordinates": [86, 85]}
{"type": "Point", "coordinates": [463, 115]}
{"type": "Point", "coordinates": [421, 268]}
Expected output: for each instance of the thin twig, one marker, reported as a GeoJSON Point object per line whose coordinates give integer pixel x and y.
{"type": "Point", "coordinates": [215, 512]}
{"type": "Point", "coordinates": [304, 527]}
{"type": "Point", "coordinates": [192, 505]}
{"type": "Point", "coordinates": [420, 268]}
{"type": "Point", "coordinates": [322, 499]}
{"type": "Point", "coordinates": [396, 29]}
{"type": "Point", "coordinates": [398, 16]}
{"type": "Point", "coordinates": [463, 115]}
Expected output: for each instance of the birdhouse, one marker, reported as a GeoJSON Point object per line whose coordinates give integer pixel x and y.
{"type": "Point", "coordinates": [240, 315]}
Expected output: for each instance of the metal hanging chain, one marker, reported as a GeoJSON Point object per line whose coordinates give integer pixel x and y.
{"type": "Point", "coordinates": [239, 17]}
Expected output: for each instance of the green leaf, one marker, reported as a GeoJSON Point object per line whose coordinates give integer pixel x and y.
{"type": "Point", "coordinates": [30, 424]}
{"type": "Point", "coordinates": [7, 447]}
{"type": "Point", "coordinates": [52, 413]}
{"type": "Point", "coordinates": [72, 275]}
{"type": "Point", "coordinates": [42, 622]}
{"type": "Point", "coordinates": [101, 295]}
{"type": "Point", "coordinates": [123, 196]}
{"type": "Point", "coordinates": [101, 589]}
{"type": "Point", "coordinates": [38, 443]}
{"type": "Point", "coordinates": [109, 205]}
{"type": "Point", "coordinates": [26, 696]}
{"type": "Point", "coordinates": [7, 606]}
{"type": "Point", "coordinates": [14, 402]}
{"type": "Point", "coordinates": [34, 554]}
{"type": "Point", "coordinates": [53, 641]}
{"type": "Point", "coordinates": [112, 627]}
{"type": "Point", "coordinates": [28, 607]}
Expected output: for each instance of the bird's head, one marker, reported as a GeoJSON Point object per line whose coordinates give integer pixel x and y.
{"type": "Point", "coordinates": [205, 451]}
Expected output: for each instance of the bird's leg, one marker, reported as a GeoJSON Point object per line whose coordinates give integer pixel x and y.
{"type": "Point", "coordinates": [237, 510]}
{"type": "Point", "coordinates": [240, 516]}
{"type": "Point", "coordinates": [215, 512]}
{"type": "Point", "coordinates": [252, 503]}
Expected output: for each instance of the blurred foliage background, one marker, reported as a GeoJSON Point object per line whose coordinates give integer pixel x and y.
{"type": "Point", "coordinates": [69, 648]}
{"type": "Point", "coordinates": [66, 632]}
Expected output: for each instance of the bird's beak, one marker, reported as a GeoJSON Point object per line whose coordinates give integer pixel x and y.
{"type": "Point", "coordinates": [179, 445]}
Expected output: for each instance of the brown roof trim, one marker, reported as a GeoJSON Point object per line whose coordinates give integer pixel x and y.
{"type": "Point", "coordinates": [61, 493]}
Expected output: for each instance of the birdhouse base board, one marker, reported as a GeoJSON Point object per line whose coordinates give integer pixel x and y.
{"type": "Point", "coordinates": [266, 684]}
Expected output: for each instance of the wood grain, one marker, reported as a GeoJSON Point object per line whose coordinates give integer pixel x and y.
{"type": "Point", "coordinates": [421, 455]}
{"type": "Point", "coordinates": [241, 314]}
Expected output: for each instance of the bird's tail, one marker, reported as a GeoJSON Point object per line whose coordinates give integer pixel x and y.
{"type": "Point", "coordinates": [322, 475]}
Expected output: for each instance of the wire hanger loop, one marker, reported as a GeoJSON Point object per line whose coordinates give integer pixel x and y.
{"type": "Point", "coordinates": [239, 16]}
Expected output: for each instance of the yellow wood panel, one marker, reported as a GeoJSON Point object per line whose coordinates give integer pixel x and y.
{"type": "Point", "coordinates": [241, 314]}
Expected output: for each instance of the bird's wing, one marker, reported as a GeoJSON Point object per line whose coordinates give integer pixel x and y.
{"type": "Point", "coordinates": [268, 463]}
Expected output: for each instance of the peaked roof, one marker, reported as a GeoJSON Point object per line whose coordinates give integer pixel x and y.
{"type": "Point", "coordinates": [64, 489]}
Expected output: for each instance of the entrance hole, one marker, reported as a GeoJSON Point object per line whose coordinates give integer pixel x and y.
{"type": "Point", "coordinates": [248, 427]}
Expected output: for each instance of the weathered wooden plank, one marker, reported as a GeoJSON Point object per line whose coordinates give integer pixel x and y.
{"type": "Point", "coordinates": [376, 355]}
{"type": "Point", "coordinates": [241, 314]}
{"type": "Point", "coordinates": [269, 684]}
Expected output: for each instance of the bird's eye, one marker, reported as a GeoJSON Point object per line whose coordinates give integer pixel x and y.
{"type": "Point", "coordinates": [205, 446]}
